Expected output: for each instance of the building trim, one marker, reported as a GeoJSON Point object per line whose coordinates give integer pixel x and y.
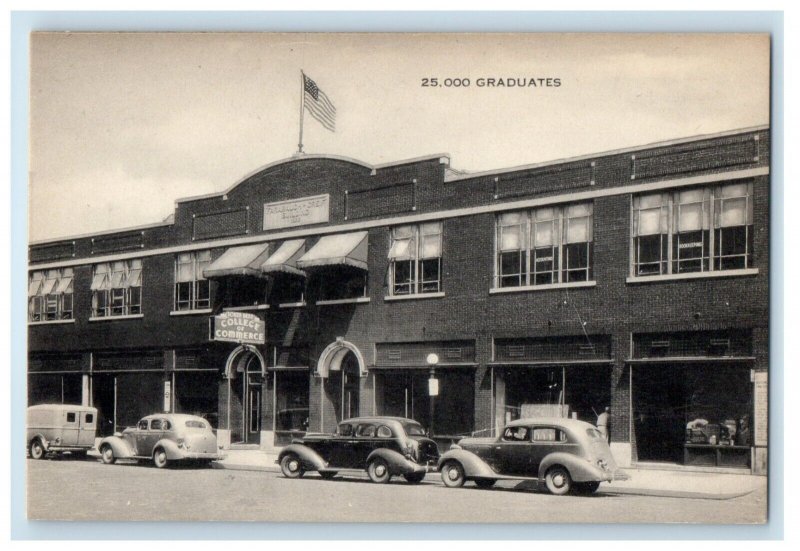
{"type": "Point", "coordinates": [383, 367]}
{"type": "Point", "coordinates": [246, 308]}
{"type": "Point", "coordinates": [113, 318]}
{"type": "Point", "coordinates": [551, 286]}
{"type": "Point", "coordinates": [300, 304]}
{"type": "Point", "coordinates": [55, 241]}
{"type": "Point", "coordinates": [547, 363]}
{"type": "Point", "coordinates": [692, 275]}
{"type": "Point", "coordinates": [357, 300]}
{"type": "Point", "coordinates": [424, 217]}
{"type": "Point", "coordinates": [691, 359]}
{"type": "Point", "coordinates": [190, 312]}
{"type": "Point", "coordinates": [51, 322]}
{"type": "Point", "coordinates": [415, 296]}
{"type": "Point", "coordinates": [51, 372]}
{"type": "Point", "coordinates": [610, 153]}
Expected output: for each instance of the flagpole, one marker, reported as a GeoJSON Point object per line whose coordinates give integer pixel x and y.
{"type": "Point", "coordinates": [302, 107]}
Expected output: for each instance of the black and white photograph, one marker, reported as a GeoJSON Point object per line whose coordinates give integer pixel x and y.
{"type": "Point", "coordinates": [399, 277]}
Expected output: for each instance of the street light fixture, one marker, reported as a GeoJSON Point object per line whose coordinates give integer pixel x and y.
{"type": "Point", "coordinates": [433, 386]}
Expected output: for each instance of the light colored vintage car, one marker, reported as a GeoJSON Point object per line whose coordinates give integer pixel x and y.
{"type": "Point", "coordinates": [383, 446]}
{"type": "Point", "coordinates": [566, 454]}
{"type": "Point", "coordinates": [164, 438]}
{"type": "Point", "coordinates": [58, 428]}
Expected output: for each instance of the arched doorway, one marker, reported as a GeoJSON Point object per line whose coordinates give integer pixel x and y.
{"type": "Point", "coordinates": [245, 372]}
{"type": "Point", "coordinates": [341, 366]}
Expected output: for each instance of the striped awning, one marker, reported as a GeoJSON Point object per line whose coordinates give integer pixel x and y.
{"type": "Point", "coordinates": [344, 249]}
{"type": "Point", "coordinates": [285, 258]}
{"type": "Point", "coordinates": [245, 260]}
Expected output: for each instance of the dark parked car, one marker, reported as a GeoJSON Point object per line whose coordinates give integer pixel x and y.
{"type": "Point", "coordinates": [383, 446]}
{"type": "Point", "coordinates": [566, 454]}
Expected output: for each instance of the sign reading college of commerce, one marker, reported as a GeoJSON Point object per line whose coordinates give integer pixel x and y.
{"type": "Point", "coordinates": [296, 212]}
{"type": "Point", "coordinates": [238, 327]}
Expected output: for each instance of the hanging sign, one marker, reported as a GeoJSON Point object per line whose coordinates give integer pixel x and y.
{"type": "Point", "coordinates": [167, 396]}
{"type": "Point", "coordinates": [433, 387]}
{"type": "Point", "coordinates": [238, 327]}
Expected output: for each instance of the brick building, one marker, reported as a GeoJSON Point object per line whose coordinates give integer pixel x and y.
{"type": "Point", "coordinates": [635, 279]}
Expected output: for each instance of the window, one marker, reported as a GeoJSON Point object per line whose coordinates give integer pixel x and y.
{"type": "Point", "coordinates": [548, 435]}
{"type": "Point", "coordinates": [117, 288]}
{"type": "Point", "coordinates": [71, 417]}
{"type": "Point", "coordinates": [416, 259]}
{"type": "Point", "coordinates": [695, 230]}
{"type": "Point", "coordinates": [345, 429]}
{"type": "Point", "coordinates": [50, 295]}
{"type": "Point", "coordinates": [545, 246]}
{"type": "Point", "coordinates": [366, 431]}
{"type": "Point", "coordinates": [142, 424]}
{"type": "Point", "coordinates": [89, 418]}
{"type": "Point", "coordinates": [516, 434]}
{"type": "Point", "coordinates": [155, 424]}
{"type": "Point", "coordinates": [384, 432]}
{"type": "Point", "coordinates": [192, 290]}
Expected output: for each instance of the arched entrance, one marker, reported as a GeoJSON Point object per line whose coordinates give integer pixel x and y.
{"type": "Point", "coordinates": [341, 366]}
{"type": "Point", "coordinates": [245, 372]}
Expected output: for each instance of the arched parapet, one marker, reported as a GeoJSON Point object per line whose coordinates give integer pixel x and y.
{"type": "Point", "coordinates": [331, 358]}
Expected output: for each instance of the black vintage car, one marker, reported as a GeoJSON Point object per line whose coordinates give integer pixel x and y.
{"type": "Point", "coordinates": [383, 446]}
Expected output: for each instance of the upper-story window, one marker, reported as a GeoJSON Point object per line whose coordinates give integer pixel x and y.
{"type": "Point", "coordinates": [545, 246]}
{"type": "Point", "coordinates": [117, 288]}
{"type": "Point", "coordinates": [695, 230]}
{"type": "Point", "coordinates": [416, 259]}
{"type": "Point", "coordinates": [192, 290]}
{"type": "Point", "coordinates": [50, 295]}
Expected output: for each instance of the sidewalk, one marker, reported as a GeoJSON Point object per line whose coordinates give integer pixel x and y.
{"type": "Point", "coordinates": [648, 482]}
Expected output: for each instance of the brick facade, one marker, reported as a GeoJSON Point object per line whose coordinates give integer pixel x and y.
{"type": "Point", "coordinates": [614, 306]}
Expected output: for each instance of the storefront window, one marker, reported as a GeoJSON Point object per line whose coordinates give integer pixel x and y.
{"type": "Point", "coordinates": [681, 242]}
{"type": "Point", "coordinates": [545, 246]}
{"type": "Point", "coordinates": [192, 290]}
{"type": "Point", "coordinates": [50, 295]}
{"type": "Point", "coordinates": [117, 288]}
{"type": "Point", "coordinates": [415, 256]}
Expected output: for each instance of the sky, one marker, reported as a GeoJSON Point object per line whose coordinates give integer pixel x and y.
{"type": "Point", "coordinates": [122, 125]}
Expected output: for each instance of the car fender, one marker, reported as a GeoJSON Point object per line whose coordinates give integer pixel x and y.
{"type": "Point", "coordinates": [579, 469]}
{"type": "Point", "coordinates": [171, 447]}
{"type": "Point", "coordinates": [398, 463]}
{"type": "Point", "coordinates": [121, 448]}
{"type": "Point", "coordinates": [474, 466]}
{"type": "Point", "coordinates": [40, 437]}
{"type": "Point", "coordinates": [311, 460]}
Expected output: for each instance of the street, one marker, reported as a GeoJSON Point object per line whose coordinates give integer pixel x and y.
{"type": "Point", "coordinates": [88, 490]}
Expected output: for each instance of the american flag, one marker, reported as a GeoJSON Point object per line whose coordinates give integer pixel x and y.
{"type": "Point", "coordinates": [318, 104]}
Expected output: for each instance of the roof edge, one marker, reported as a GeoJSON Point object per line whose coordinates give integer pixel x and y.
{"type": "Point", "coordinates": [564, 160]}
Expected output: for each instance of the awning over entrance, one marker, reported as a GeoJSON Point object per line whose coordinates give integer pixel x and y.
{"type": "Point", "coordinates": [285, 258]}
{"type": "Point", "coordinates": [348, 249]}
{"type": "Point", "coordinates": [245, 260]}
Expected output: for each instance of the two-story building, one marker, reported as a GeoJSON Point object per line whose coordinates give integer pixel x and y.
{"type": "Point", "coordinates": [635, 279]}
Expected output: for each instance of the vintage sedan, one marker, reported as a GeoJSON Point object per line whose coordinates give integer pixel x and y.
{"type": "Point", "coordinates": [565, 454]}
{"type": "Point", "coordinates": [163, 438]}
{"type": "Point", "coordinates": [383, 446]}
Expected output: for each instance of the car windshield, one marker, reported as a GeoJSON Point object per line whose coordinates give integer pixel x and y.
{"type": "Point", "coordinates": [194, 424]}
{"type": "Point", "coordinates": [414, 429]}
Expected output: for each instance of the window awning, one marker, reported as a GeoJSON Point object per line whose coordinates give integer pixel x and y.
{"type": "Point", "coordinates": [348, 249]}
{"type": "Point", "coordinates": [245, 260]}
{"type": "Point", "coordinates": [285, 258]}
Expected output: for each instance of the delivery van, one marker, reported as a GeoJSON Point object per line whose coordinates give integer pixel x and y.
{"type": "Point", "coordinates": [58, 428]}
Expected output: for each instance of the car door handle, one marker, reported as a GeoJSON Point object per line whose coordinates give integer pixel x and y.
{"type": "Point", "coordinates": [498, 447]}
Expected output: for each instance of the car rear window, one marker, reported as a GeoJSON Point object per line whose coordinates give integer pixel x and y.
{"type": "Point", "coordinates": [594, 434]}
{"type": "Point", "coordinates": [542, 434]}
{"type": "Point", "coordinates": [193, 424]}
{"type": "Point", "coordinates": [414, 429]}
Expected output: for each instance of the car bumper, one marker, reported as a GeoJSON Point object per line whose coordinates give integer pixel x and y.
{"type": "Point", "coordinates": [202, 455]}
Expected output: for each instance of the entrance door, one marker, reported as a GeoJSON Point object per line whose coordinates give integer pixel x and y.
{"type": "Point", "coordinates": [253, 411]}
{"type": "Point", "coordinates": [350, 387]}
{"type": "Point", "coordinates": [659, 404]}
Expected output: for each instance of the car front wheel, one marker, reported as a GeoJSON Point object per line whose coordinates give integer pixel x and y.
{"type": "Point", "coordinates": [453, 474]}
{"type": "Point", "coordinates": [36, 449]}
{"type": "Point", "coordinates": [558, 480]}
{"type": "Point", "coordinates": [107, 455]}
{"type": "Point", "coordinates": [291, 466]}
{"type": "Point", "coordinates": [378, 471]}
{"type": "Point", "coordinates": [160, 458]}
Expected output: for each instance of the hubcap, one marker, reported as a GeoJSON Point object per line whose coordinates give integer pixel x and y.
{"type": "Point", "coordinates": [293, 466]}
{"type": "Point", "coordinates": [108, 454]}
{"type": "Point", "coordinates": [453, 474]}
{"type": "Point", "coordinates": [380, 470]}
{"type": "Point", "coordinates": [558, 480]}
